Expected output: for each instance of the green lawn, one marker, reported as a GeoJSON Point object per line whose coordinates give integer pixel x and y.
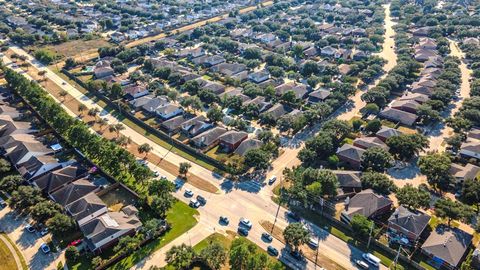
{"type": "Point", "coordinates": [180, 217]}
{"type": "Point", "coordinates": [6, 261]}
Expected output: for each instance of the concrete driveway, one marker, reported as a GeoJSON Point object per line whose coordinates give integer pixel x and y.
{"type": "Point", "coordinates": [28, 243]}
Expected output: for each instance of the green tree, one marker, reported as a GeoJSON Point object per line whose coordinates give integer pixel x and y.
{"type": "Point", "coordinates": [161, 204]}
{"type": "Point", "coordinates": [151, 227]}
{"type": "Point", "coordinates": [10, 183]}
{"type": "Point", "coordinates": [72, 254]}
{"type": "Point", "coordinates": [451, 210]}
{"type": "Point", "coordinates": [127, 244]}
{"type": "Point", "coordinates": [60, 224]}
{"type": "Point", "coordinates": [25, 197]}
{"type": "Point", "coordinates": [361, 226]}
{"type": "Point", "coordinates": [406, 146]}
{"type": "Point", "coordinates": [183, 168]}
{"type": "Point", "coordinates": [436, 167]}
{"type": "Point", "coordinates": [144, 149]}
{"type": "Point", "coordinates": [215, 255]}
{"type": "Point", "coordinates": [81, 108]}
{"type": "Point", "coordinates": [44, 210]}
{"type": "Point", "coordinates": [379, 182]}
{"type": "Point", "coordinates": [257, 158]}
{"type": "Point", "coordinates": [180, 257]}
{"type": "Point", "coordinates": [413, 197]}
{"type": "Point", "coordinates": [373, 126]}
{"type": "Point", "coordinates": [4, 166]}
{"type": "Point", "coordinates": [215, 114]}
{"type": "Point", "coordinates": [471, 193]}
{"type": "Point", "coordinates": [296, 235]}
{"type": "Point", "coordinates": [377, 159]}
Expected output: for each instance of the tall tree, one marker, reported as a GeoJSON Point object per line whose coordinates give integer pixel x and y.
{"type": "Point", "coordinates": [406, 146]}
{"type": "Point", "coordinates": [145, 149]}
{"type": "Point", "coordinates": [296, 235]}
{"type": "Point", "coordinates": [215, 255]}
{"type": "Point", "coordinates": [379, 182]}
{"type": "Point", "coordinates": [377, 159]}
{"type": "Point", "coordinates": [471, 193]}
{"type": "Point", "coordinates": [184, 167]}
{"type": "Point", "coordinates": [180, 257]}
{"type": "Point", "coordinates": [451, 210]}
{"type": "Point", "coordinates": [436, 167]}
{"type": "Point", "coordinates": [413, 197]}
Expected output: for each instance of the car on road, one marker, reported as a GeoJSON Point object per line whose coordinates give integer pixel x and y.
{"type": "Point", "coordinates": [45, 248]}
{"type": "Point", "coordinates": [313, 243]}
{"type": "Point", "coordinates": [370, 258]}
{"type": "Point", "coordinates": [224, 220]}
{"type": "Point", "coordinates": [362, 264]}
{"type": "Point", "coordinates": [272, 251]}
{"type": "Point", "coordinates": [188, 193]}
{"type": "Point", "coordinates": [272, 179]}
{"type": "Point", "coordinates": [297, 255]}
{"type": "Point", "coordinates": [242, 231]}
{"type": "Point", "coordinates": [245, 222]}
{"type": "Point", "coordinates": [75, 243]}
{"type": "Point", "coordinates": [201, 200]}
{"type": "Point", "coordinates": [156, 173]}
{"type": "Point", "coordinates": [267, 236]}
{"type": "Point", "coordinates": [2, 203]}
{"type": "Point", "coordinates": [293, 216]}
{"type": "Point", "coordinates": [194, 203]}
{"type": "Point", "coordinates": [30, 228]}
{"type": "Point", "coordinates": [44, 232]}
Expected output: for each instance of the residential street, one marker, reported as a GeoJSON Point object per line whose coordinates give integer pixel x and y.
{"type": "Point", "coordinates": [346, 112]}
{"type": "Point", "coordinates": [235, 200]}
{"type": "Point", "coordinates": [441, 131]}
{"type": "Point", "coordinates": [28, 243]}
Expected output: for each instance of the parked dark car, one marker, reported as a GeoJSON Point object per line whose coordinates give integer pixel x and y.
{"type": "Point", "coordinates": [242, 231]}
{"type": "Point", "coordinates": [201, 200]}
{"type": "Point", "coordinates": [267, 237]}
{"type": "Point", "coordinates": [224, 220]}
{"type": "Point", "coordinates": [272, 251]}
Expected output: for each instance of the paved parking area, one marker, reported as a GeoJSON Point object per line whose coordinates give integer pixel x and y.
{"type": "Point", "coordinates": [28, 243]}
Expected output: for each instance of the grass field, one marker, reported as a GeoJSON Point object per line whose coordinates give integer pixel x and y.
{"type": "Point", "coordinates": [6, 257]}
{"type": "Point", "coordinates": [76, 47]}
{"type": "Point", "coordinates": [180, 217]}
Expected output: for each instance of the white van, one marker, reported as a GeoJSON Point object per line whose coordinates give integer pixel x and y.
{"type": "Point", "coordinates": [371, 259]}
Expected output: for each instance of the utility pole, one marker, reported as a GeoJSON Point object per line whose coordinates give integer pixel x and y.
{"type": "Point", "coordinates": [279, 204]}
{"type": "Point", "coordinates": [370, 235]}
{"type": "Point", "coordinates": [396, 257]}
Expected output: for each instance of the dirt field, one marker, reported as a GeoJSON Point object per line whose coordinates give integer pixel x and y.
{"type": "Point", "coordinates": [77, 48]}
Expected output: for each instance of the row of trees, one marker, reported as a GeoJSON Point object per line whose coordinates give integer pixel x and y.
{"type": "Point", "coordinates": [241, 255]}
{"type": "Point", "coordinates": [114, 160]}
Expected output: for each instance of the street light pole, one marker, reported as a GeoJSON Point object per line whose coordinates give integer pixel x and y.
{"type": "Point", "coordinates": [370, 235]}
{"type": "Point", "coordinates": [279, 204]}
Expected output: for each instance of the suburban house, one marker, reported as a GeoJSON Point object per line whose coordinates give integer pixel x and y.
{"type": "Point", "coordinates": [470, 149]}
{"type": "Point", "coordinates": [38, 165]}
{"type": "Point", "coordinates": [447, 246]}
{"type": "Point", "coordinates": [8, 126]}
{"type": "Point", "coordinates": [195, 126]}
{"type": "Point", "coordinates": [398, 116]}
{"type": "Point", "coordinates": [54, 180]}
{"type": "Point", "coordinates": [229, 69]}
{"type": "Point", "coordinates": [259, 76]}
{"type": "Point", "coordinates": [318, 96]}
{"type": "Point", "coordinates": [102, 72]}
{"type": "Point", "coordinates": [208, 138]}
{"type": "Point", "coordinates": [366, 203]}
{"type": "Point", "coordinates": [22, 151]}
{"type": "Point", "coordinates": [246, 145]}
{"type": "Point", "coordinates": [410, 106]}
{"type": "Point", "coordinates": [72, 192]}
{"type": "Point", "coordinates": [278, 110]}
{"type": "Point", "coordinates": [352, 155]}
{"type": "Point", "coordinates": [260, 102]}
{"type": "Point", "coordinates": [348, 181]}
{"type": "Point", "coordinates": [462, 173]}
{"type": "Point", "coordinates": [300, 90]}
{"type": "Point", "coordinates": [386, 132]}
{"type": "Point", "coordinates": [367, 142]}
{"type": "Point", "coordinates": [7, 110]}
{"type": "Point", "coordinates": [168, 111]}
{"type": "Point", "coordinates": [405, 224]}
{"type": "Point", "coordinates": [135, 91]}
{"type": "Point", "coordinates": [417, 97]}
{"type": "Point", "coordinates": [174, 124]}
{"type": "Point", "coordinates": [87, 208]}
{"type": "Point", "coordinates": [105, 230]}
{"type": "Point", "coordinates": [230, 140]}
{"type": "Point", "coordinates": [208, 60]}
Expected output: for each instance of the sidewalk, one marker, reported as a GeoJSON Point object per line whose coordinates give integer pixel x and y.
{"type": "Point", "coordinates": [12, 250]}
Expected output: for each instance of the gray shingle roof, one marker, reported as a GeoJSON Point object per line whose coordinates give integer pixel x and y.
{"type": "Point", "coordinates": [448, 244]}
{"type": "Point", "coordinates": [412, 221]}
